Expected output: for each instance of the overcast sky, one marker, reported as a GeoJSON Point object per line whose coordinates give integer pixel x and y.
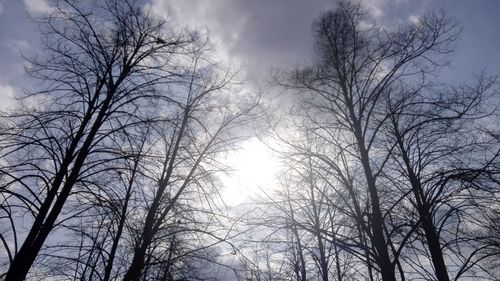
{"type": "Point", "coordinates": [261, 34]}
{"type": "Point", "coordinates": [267, 33]}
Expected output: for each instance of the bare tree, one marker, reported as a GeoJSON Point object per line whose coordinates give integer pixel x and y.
{"type": "Point", "coordinates": [355, 68]}
{"type": "Point", "coordinates": [437, 148]}
{"type": "Point", "coordinates": [101, 66]}
{"type": "Point", "coordinates": [200, 128]}
{"type": "Point", "coordinates": [109, 170]}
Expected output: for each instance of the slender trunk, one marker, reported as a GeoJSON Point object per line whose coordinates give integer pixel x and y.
{"type": "Point", "coordinates": [114, 247]}
{"type": "Point", "coordinates": [431, 236]}
{"type": "Point", "coordinates": [137, 265]}
{"type": "Point", "coordinates": [335, 248]}
{"type": "Point", "coordinates": [121, 225]}
{"type": "Point", "coordinates": [134, 271]}
{"type": "Point", "coordinates": [323, 261]}
{"type": "Point", "coordinates": [435, 249]}
{"type": "Point", "coordinates": [24, 259]}
{"type": "Point", "coordinates": [167, 274]}
{"type": "Point", "coordinates": [377, 222]}
{"type": "Point", "coordinates": [92, 259]}
{"type": "Point", "coordinates": [302, 263]}
{"type": "Point", "coordinates": [401, 271]}
{"type": "Point", "coordinates": [337, 262]}
{"type": "Point", "coordinates": [154, 222]}
{"type": "Point", "coordinates": [383, 260]}
{"type": "Point", "coordinates": [360, 226]}
{"type": "Point", "coordinates": [366, 252]}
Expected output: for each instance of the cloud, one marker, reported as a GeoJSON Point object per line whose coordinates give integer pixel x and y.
{"type": "Point", "coordinates": [7, 94]}
{"type": "Point", "coordinates": [259, 34]}
{"type": "Point", "coordinates": [37, 7]}
{"type": "Point", "coordinates": [263, 34]}
{"type": "Point", "coordinates": [2, 7]}
{"type": "Point", "coordinates": [205, 15]}
{"type": "Point", "coordinates": [17, 45]}
{"type": "Point", "coordinates": [414, 19]}
{"type": "Point", "coordinates": [374, 7]}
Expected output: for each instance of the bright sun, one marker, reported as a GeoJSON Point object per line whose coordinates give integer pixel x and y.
{"type": "Point", "coordinates": [255, 168]}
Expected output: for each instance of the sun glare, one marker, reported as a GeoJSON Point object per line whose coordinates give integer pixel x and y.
{"type": "Point", "coordinates": [255, 169]}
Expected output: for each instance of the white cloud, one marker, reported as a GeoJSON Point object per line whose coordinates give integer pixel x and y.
{"type": "Point", "coordinates": [7, 94]}
{"type": "Point", "coordinates": [414, 19]}
{"type": "Point", "coordinates": [18, 44]}
{"type": "Point", "coordinates": [204, 16]}
{"type": "Point", "coordinates": [2, 7]}
{"type": "Point", "coordinates": [365, 26]}
{"type": "Point", "coordinates": [374, 7]}
{"type": "Point", "coordinates": [37, 7]}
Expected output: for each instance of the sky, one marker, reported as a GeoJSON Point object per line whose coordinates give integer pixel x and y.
{"type": "Point", "coordinates": [277, 33]}
{"type": "Point", "coordinates": [261, 35]}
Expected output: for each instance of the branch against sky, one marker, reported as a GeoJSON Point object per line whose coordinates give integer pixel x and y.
{"type": "Point", "coordinates": [263, 34]}
{"type": "Point", "coordinates": [137, 192]}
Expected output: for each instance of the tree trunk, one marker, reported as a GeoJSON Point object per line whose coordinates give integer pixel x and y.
{"type": "Point", "coordinates": [377, 222]}
{"type": "Point", "coordinates": [24, 259]}
{"type": "Point", "coordinates": [431, 236]}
